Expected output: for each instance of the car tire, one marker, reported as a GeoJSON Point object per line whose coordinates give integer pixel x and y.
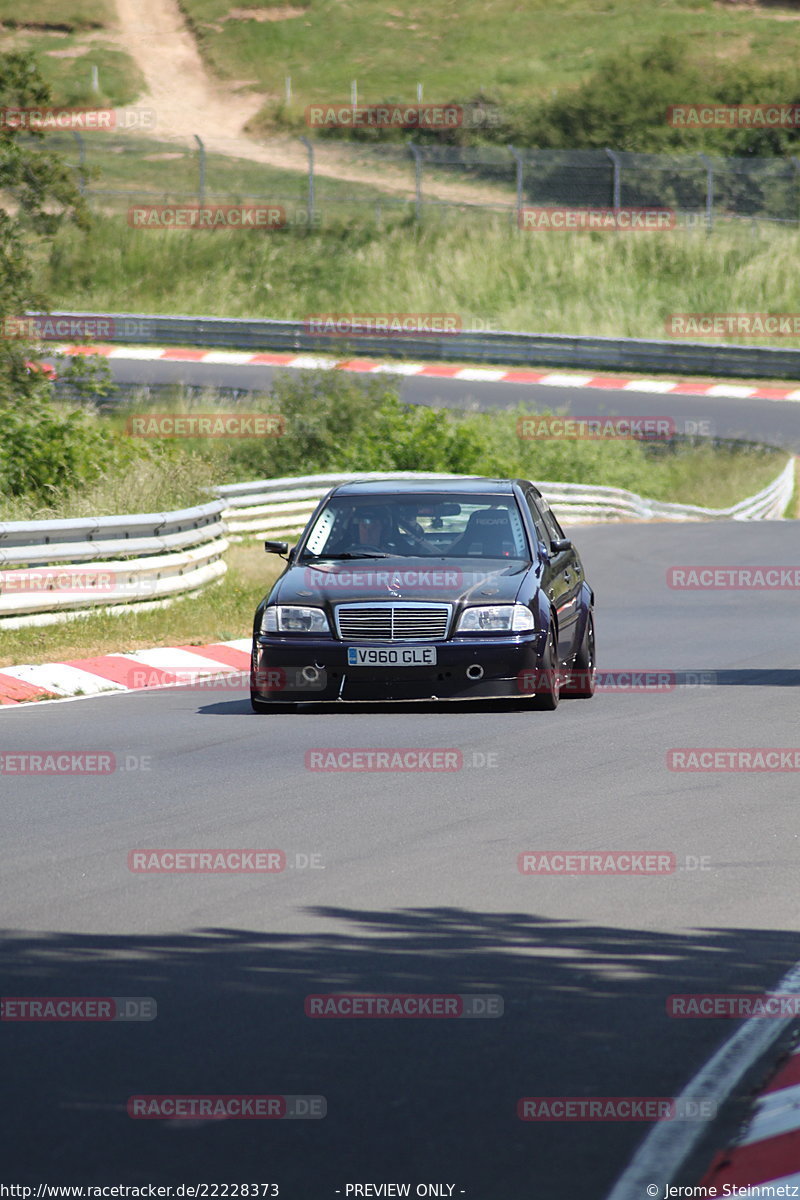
{"type": "Point", "coordinates": [582, 679]}
{"type": "Point", "coordinates": [547, 700]}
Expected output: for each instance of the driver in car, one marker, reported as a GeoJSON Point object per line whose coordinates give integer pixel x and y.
{"type": "Point", "coordinates": [369, 523]}
{"type": "Point", "coordinates": [373, 528]}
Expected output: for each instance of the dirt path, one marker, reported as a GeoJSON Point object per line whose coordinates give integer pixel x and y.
{"type": "Point", "coordinates": [188, 100]}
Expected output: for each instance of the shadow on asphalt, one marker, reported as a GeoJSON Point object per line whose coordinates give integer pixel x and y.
{"type": "Point", "coordinates": [408, 1100]}
{"type": "Point", "coordinates": [388, 708]}
{"type": "Point", "coordinates": [644, 681]}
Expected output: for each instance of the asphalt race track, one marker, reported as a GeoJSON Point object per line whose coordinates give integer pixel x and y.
{"type": "Point", "coordinates": [416, 891]}
{"type": "Point", "coordinates": [776, 422]}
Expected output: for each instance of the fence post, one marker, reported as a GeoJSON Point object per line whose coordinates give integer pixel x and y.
{"type": "Point", "coordinates": [201, 167]}
{"type": "Point", "coordinates": [617, 179]}
{"type": "Point", "coordinates": [310, 204]}
{"type": "Point", "coordinates": [709, 191]}
{"type": "Point", "coordinates": [288, 88]}
{"type": "Point", "coordinates": [520, 169]}
{"type": "Point", "coordinates": [415, 150]}
{"type": "Point", "coordinates": [81, 162]}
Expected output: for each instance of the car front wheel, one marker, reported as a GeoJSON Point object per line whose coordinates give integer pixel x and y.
{"type": "Point", "coordinates": [547, 697]}
{"type": "Point", "coordinates": [582, 678]}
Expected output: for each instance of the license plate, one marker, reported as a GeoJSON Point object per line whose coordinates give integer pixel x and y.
{"type": "Point", "coordinates": [391, 656]}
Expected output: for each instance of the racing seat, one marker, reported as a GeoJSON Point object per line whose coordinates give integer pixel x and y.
{"type": "Point", "coordinates": [488, 535]}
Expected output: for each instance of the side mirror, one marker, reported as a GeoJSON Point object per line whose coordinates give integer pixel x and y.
{"type": "Point", "coordinates": [276, 547]}
{"type": "Point", "coordinates": [559, 545]}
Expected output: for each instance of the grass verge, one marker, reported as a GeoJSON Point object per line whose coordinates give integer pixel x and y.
{"type": "Point", "coordinates": [68, 41]}
{"type": "Point", "coordinates": [489, 276]}
{"type": "Point", "coordinates": [69, 15]}
{"type": "Point", "coordinates": [457, 49]}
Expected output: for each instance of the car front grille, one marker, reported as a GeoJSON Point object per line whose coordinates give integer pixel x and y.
{"type": "Point", "coordinates": [392, 622]}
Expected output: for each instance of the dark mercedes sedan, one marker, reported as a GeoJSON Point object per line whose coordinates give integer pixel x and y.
{"type": "Point", "coordinates": [426, 589]}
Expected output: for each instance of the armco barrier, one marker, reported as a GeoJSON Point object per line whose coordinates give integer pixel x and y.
{"type": "Point", "coordinates": [281, 507]}
{"type": "Point", "coordinates": [147, 560]}
{"type": "Point", "coordinates": [141, 560]}
{"type": "Point", "coordinates": [523, 349]}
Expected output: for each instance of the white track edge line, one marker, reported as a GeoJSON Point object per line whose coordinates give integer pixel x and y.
{"type": "Point", "coordinates": [668, 1144]}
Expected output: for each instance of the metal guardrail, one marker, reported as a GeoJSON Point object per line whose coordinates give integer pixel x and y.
{"type": "Point", "coordinates": [281, 507]}
{"type": "Point", "coordinates": [146, 560]}
{"type": "Point", "coordinates": [494, 346]}
{"type": "Point", "coordinates": [139, 560]}
{"type": "Point", "coordinates": [576, 502]}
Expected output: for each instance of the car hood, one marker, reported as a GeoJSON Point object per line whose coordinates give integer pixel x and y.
{"type": "Point", "coordinates": [490, 581]}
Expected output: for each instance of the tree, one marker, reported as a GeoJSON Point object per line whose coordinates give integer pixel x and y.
{"type": "Point", "coordinates": [45, 445]}
{"type": "Point", "coordinates": [37, 195]}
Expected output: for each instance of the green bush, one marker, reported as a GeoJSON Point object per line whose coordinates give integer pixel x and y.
{"type": "Point", "coordinates": [622, 105]}
{"type": "Point", "coordinates": [47, 446]}
{"type": "Point", "coordinates": [59, 460]}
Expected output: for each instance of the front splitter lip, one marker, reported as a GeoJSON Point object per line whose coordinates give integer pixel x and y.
{"type": "Point", "coordinates": [340, 701]}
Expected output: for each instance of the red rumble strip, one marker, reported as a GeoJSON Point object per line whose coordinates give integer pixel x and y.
{"type": "Point", "coordinates": [768, 1150]}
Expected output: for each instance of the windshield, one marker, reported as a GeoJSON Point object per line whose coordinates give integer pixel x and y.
{"type": "Point", "coordinates": [420, 526]}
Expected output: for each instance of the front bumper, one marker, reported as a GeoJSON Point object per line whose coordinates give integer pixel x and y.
{"type": "Point", "coordinates": [316, 670]}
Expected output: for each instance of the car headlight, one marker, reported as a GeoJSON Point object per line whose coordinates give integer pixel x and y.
{"type": "Point", "coordinates": [496, 618]}
{"type": "Point", "coordinates": [290, 618]}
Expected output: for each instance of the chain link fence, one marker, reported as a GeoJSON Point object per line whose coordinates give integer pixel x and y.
{"type": "Point", "coordinates": [119, 171]}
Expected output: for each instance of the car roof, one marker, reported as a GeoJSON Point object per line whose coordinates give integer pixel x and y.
{"type": "Point", "coordinates": [477, 484]}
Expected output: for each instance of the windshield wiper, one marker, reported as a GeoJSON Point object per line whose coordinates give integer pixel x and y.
{"type": "Point", "coordinates": [337, 557]}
